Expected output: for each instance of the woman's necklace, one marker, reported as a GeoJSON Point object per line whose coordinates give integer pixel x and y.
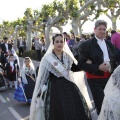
{"type": "Point", "coordinates": [59, 57]}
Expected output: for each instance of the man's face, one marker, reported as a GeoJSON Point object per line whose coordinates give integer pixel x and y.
{"type": "Point", "coordinates": [5, 41]}
{"type": "Point", "coordinates": [100, 31]}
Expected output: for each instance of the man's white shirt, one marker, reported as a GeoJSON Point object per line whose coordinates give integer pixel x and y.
{"type": "Point", "coordinates": [6, 45]}
{"type": "Point", "coordinates": [104, 49]}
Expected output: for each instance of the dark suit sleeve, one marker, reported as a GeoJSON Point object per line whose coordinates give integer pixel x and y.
{"type": "Point", "coordinates": [6, 68]}
{"type": "Point", "coordinates": [9, 46]}
{"type": "Point", "coordinates": [18, 67]}
{"type": "Point", "coordinates": [3, 59]}
{"type": "Point", "coordinates": [75, 68]}
{"type": "Point", "coordinates": [84, 52]}
{"type": "Point", "coordinates": [2, 46]}
{"type": "Point", "coordinates": [18, 44]}
{"type": "Point", "coordinates": [33, 75]}
{"type": "Point", "coordinates": [2, 67]}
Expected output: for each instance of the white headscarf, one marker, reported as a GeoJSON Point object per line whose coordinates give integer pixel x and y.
{"type": "Point", "coordinates": [24, 80]}
{"type": "Point", "coordinates": [16, 57]}
{"type": "Point", "coordinates": [65, 49]}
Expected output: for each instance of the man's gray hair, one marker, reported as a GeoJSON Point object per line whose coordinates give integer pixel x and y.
{"type": "Point", "coordinates": [100, 22]}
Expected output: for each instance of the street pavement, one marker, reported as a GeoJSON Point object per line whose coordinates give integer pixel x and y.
{"type": "Point", "coordinates": [10, 109]}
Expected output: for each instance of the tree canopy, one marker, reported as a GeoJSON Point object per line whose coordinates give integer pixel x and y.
{"type": "Point", "coordinates": [58, 13]}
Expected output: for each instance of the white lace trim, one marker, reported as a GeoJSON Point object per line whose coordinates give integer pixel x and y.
{"type": "Point", "coordinates": [44, 69]}
{"type": "Point", "coordinates": [111, 106]}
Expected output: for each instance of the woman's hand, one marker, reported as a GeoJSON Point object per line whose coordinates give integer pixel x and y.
{"type": "Point", "coordinates": [19, 80]}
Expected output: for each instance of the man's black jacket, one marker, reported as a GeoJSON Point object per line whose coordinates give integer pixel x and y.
{"type": "Point", "coordinates": [4, 47]}
{"type": "Point", "coordinates": [91, 50]}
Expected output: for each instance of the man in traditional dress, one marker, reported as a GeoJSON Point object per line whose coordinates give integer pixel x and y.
{"type": "Point", "coordinates": [101, 55]}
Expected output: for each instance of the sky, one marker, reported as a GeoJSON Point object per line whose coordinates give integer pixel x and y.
{"type": "Point", "coordinates": [12, 9]}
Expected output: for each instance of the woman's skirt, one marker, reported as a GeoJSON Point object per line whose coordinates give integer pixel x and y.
{"type": "Point", "coordinates": [29, 88]}
{"type": "Point", "coordinates": [11, 76]}
{"type": "Point", "coordinates": [19, 94]}
{"type": "Point", "coordinates": [24, 92]}
{"type": "Point", "coordinates": [64, 101]}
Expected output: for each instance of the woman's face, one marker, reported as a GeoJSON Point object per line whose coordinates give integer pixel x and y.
{"type": "Point", "coordinates": [27, 61]}
{"type": "Point", "coordinates": [58, 43]}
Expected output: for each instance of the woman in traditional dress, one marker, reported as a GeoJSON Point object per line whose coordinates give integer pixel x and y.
{"type": "Point", "coordinates": [56, 97]}
{"type": "Point", "coordinates": [111, 104]}
{"type": "Point", "coordinates": [16, 58]}
{"type": "Point", "coordinates": [24, 93]}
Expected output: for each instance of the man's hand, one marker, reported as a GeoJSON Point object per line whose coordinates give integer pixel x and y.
{"type": "Point", "coordinates": [103, 67]}
{"type": "Point", "coordinates": [89, 61]}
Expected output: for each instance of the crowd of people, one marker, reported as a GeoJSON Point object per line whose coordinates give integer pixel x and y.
{"type": "Point", "coordinates": [38, 44]}
{"type": "Point", "coordinates": [9, 63]}
{"type": "Point", "coordinates": [52, 90]}
{"type": "Point", "coordinates": [11, 75]}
